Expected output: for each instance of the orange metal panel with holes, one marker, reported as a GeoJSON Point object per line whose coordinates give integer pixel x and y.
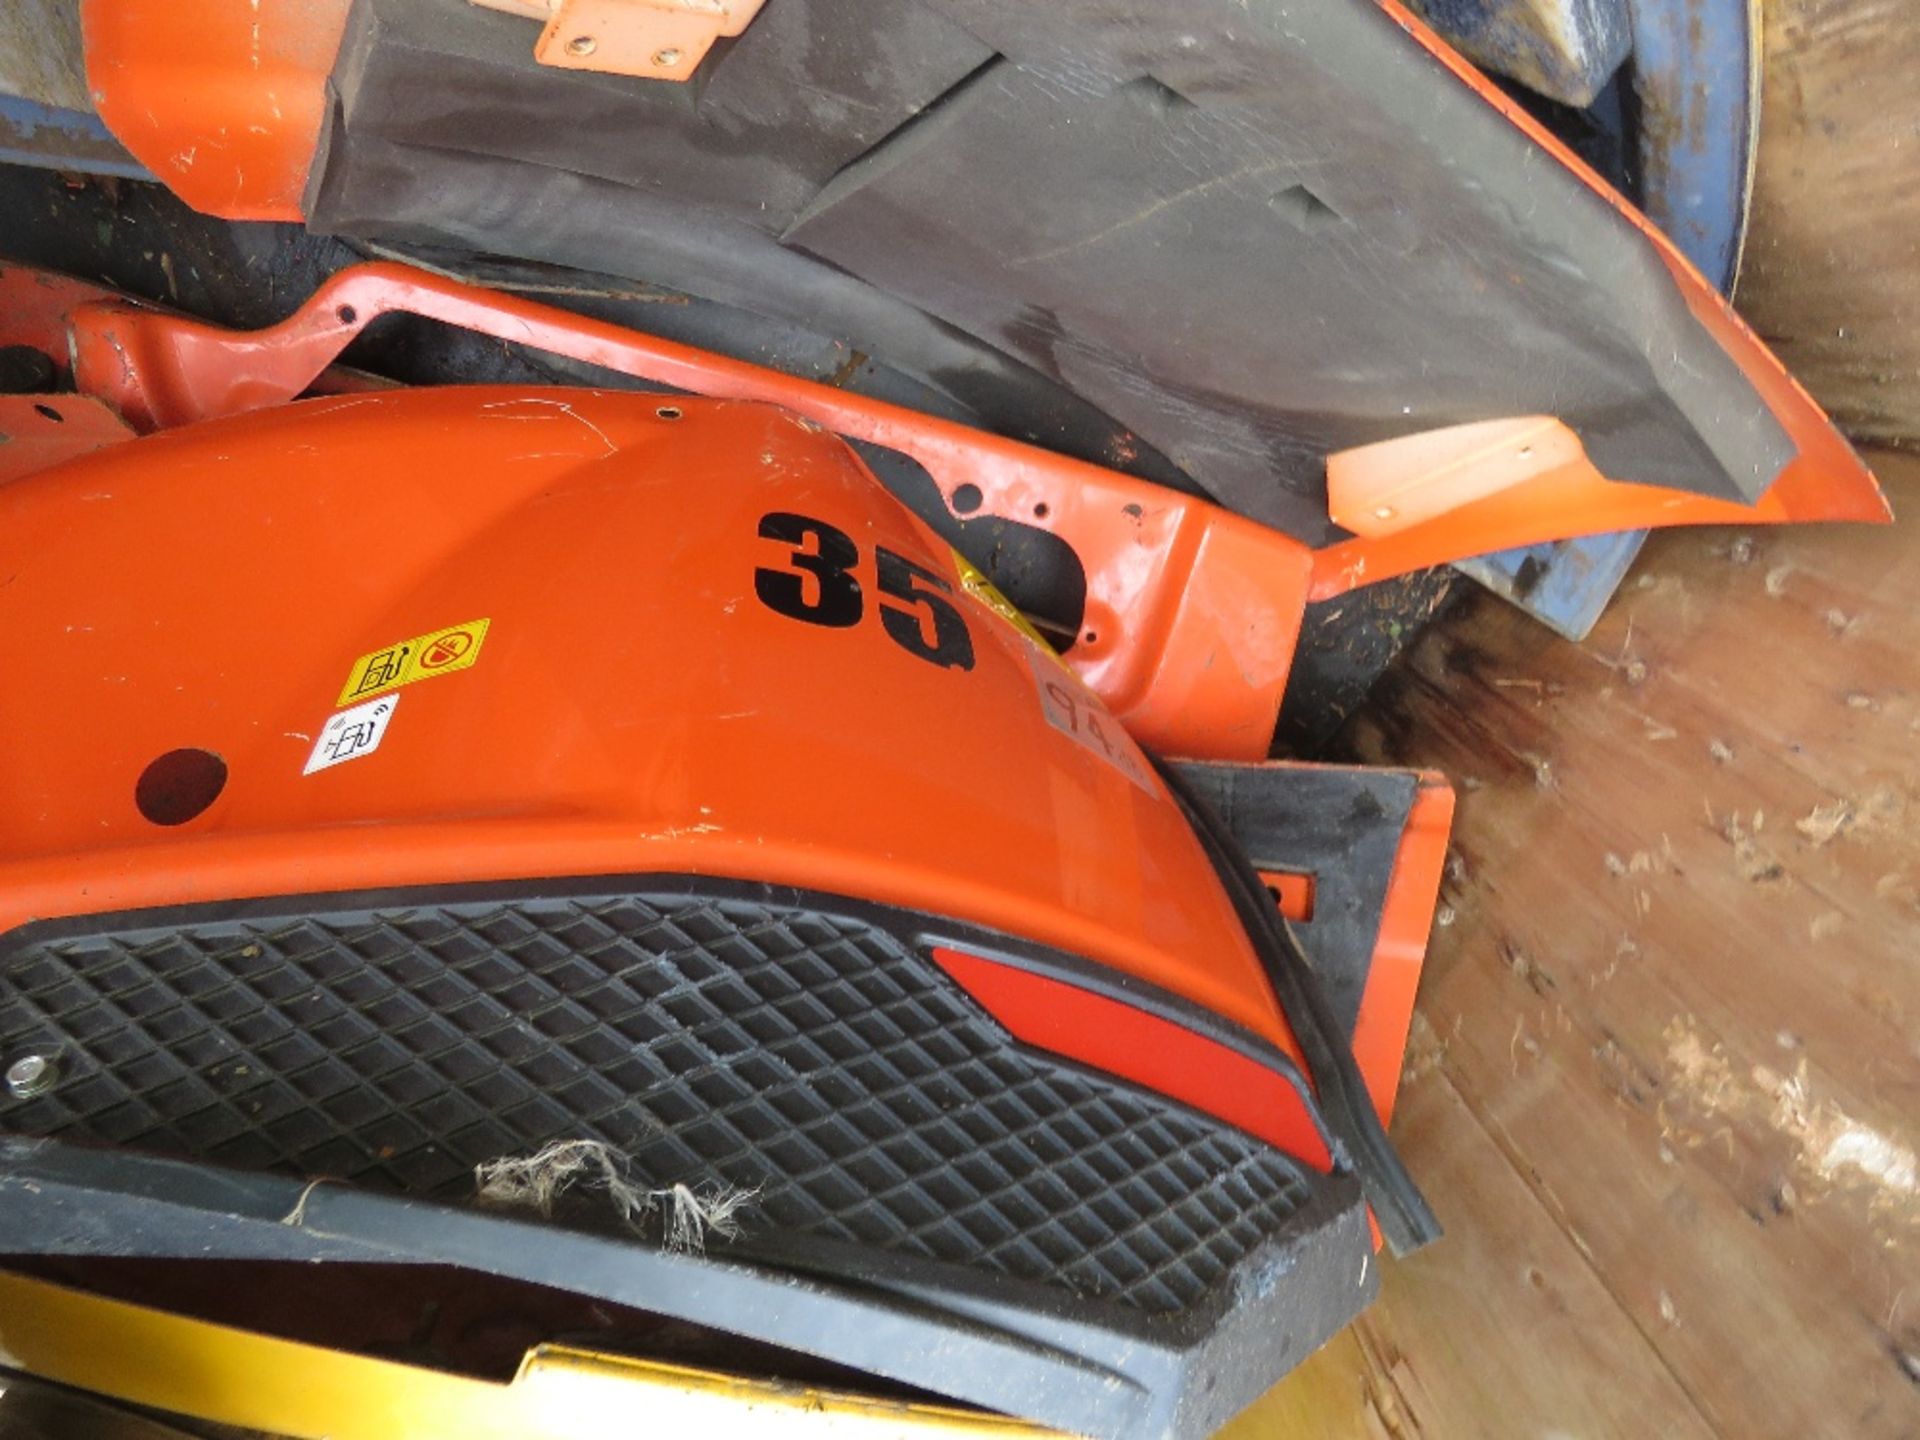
{"type": "Point", "coordinates": [1191, 611]}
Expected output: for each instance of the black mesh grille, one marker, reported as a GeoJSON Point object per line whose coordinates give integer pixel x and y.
{"type": "Point", "coordinates": [709, 1039]}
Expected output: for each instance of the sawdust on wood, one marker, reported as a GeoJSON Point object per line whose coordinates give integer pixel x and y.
{"type": "Point", "coordinates": [1832, 1151]}
{"type": "Point", "coordinates": [1754, 863]}
{"type": "Point", "coordinates": [1823, 822]}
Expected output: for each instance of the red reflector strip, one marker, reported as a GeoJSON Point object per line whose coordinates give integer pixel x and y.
{"type": "Point", "coordinates": [1163, 1057]}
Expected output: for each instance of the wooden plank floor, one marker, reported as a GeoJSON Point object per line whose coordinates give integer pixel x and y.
{"type": "Point", "coordinates": [1665, 1083]}
{"type": "Point", "coordinates": [1831, 276]}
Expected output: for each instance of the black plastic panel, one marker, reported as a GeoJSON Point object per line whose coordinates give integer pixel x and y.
{"type": "Point", "coordinates": [709, 1038]}
{"type": "Point", "coordinates": [1340, 824]}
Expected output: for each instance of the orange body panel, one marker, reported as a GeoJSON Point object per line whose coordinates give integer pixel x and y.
{"type": "Point", "coordinates": [634, 706]}
{"type": "Point", "coordinates": [223, 100]}
{"type": "Point", "coordinates": [1827, 480]}
{"type": "Point", "coordinates": [1192, 612]}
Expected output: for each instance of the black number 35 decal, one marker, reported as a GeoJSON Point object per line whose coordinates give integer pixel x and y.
{"type": "Point", "coordinates": [818, 586]}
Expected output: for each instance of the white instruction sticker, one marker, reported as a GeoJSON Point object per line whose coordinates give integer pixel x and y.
{"type": "Point", "coordinates": [351, 734]}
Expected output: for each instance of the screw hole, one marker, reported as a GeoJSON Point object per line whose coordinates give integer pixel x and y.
{"type": "Point", "coordinates": [669, 412]}
{"type": "Point", "coordinates": [1042, 510]}
{"type": "Point", "coordinates": [582, 45]}
{"type": "Point", "coordinates": [666, 59]}
{"type": "Point", "coordinates": [180, 785]}
{"type": "Point", "coordinates": [50, 413]}
{"type": "Point", "coordinates": [1092, 637]}
{"type": "Point", "coordinates": [346, 314]}
{"type": "Point", "coordinates": [966, 498]}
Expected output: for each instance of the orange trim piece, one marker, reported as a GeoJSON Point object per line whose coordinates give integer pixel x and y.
{"type": "Point", "coordinates": [1431, 498]}
{"type": "Point", "coordinates": [1192, 611]}
{"type": "Point", "coordinates": [1400, 949]}
{"type": "Point", "coordinates": [223, 100]}
{"type": "Point", "coordinates": [1393, 485]}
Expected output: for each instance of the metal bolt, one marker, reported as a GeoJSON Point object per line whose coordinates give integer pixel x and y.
{"type": "Point", "coordinates": [31, 1075]}
{"type": "Point", "coordinates": [582, 45]}
{"type": "Point", "coordinates": [666, 58]}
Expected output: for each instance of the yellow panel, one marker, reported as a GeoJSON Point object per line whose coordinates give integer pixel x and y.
{"type": "Point", "coordinates": [233, 1377]}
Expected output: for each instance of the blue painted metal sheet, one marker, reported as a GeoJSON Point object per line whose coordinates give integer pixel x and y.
{"type": "Point", "coordinates": [1695, 74]}
{"type": "Point", "coordinates": [57, 139]}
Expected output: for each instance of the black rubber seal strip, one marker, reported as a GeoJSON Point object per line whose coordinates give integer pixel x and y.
{"type": "Point", "coordinates": [1406, 1220]}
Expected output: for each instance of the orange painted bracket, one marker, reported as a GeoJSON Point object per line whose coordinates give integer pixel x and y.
{"type": "Point", "coordinates": [649, 39]}
{"type": "Point", "coordinates": [1191, 611]}
{"type": "Point", "coordinates": [1440, 495]}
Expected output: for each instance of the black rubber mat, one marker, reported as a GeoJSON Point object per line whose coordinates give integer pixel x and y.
{"type": "Point", "coordinates": [709, 1038]}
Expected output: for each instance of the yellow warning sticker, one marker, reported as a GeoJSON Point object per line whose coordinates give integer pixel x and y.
{"type": "Point", "coordinates": [438, 652]}
{"type": "Point", "coordinates": [988, 594]}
